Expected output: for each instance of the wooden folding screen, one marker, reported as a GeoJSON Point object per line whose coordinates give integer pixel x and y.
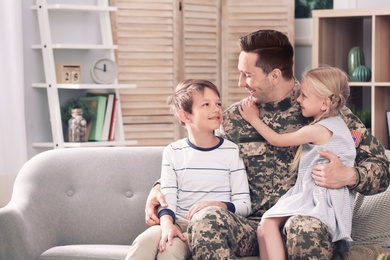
{"type": "Point", "coordinates": [161, 42]}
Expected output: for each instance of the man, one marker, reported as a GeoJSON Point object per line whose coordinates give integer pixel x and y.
{"type": "Point", "coordinates": [266, 71]}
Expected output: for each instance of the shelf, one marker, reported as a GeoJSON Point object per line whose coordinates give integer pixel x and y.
{"type": "Point", "coordinates": [369, 84]}
{"type": "Point", "coordinates": [65, 7]}
{"type": "Point", "coordinates": [66, 46]}
{"type": "Point", "coordinates": [87, 144]}
{"type": "Point", "coordinates": [50, 55]}
{"type": "Point", "coordinates": [360, 84]}
{"type": "Point", "coordinates": [335, 32]}
{"type": "Point", "coordinates": [86, 86]}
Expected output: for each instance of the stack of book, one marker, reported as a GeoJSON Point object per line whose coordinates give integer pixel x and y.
{"type": "Point", "coordinates": [102, 126]}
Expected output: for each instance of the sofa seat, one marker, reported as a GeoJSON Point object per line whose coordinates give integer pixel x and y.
{"type": "Point", "coordinates": [96, 252]}
{"type": "Point", "coordinates": [86, 252]}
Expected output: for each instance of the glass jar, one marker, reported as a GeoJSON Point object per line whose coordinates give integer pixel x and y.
{"type": "Point", "coordinates": [77, 126]}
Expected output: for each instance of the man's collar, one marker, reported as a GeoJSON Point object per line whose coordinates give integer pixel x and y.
{"type": "Point", "coordinates": [285, 103]}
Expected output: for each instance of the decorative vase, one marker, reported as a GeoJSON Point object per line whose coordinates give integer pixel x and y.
{"type": "Point", "coordinates": [77, 126]}
{"type": "Point", "coordinates": [355, 59]}
{"type": "Point", "coordinates": [361, 74]}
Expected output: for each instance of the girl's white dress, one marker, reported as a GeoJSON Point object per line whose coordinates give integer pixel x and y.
{"type": "Point", "coordinates": [333, 207]}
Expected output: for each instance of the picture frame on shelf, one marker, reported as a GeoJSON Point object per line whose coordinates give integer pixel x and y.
{"type": "Point", "coordinates": [388, 126]}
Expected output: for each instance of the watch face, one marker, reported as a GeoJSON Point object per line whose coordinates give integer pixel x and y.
{"type": "Point", "coordinates": [104, 71]}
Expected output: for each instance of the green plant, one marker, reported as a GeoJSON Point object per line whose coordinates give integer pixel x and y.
{"type": "Point", "coordinates": [364, 116]}
{"type": "Point", "coordinates": [384, 256]}
{"type": "Point", "coordinates": [66, 110]}
{"type": "Point", "coordinates": [303, 8]}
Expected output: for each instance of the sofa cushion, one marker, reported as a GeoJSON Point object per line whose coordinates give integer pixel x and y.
{"type": "Point", "coordinates": [86, 252]}
{"type": "Point", "coordinates": [371, 219]}
{"type": "Point", "coordinates": [370, 223]}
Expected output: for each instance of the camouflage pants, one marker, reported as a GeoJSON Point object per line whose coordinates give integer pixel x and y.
{"type": "Point", "coordinates": [307, 238]}
{"type": "Point", "coordinates": [216, 233]}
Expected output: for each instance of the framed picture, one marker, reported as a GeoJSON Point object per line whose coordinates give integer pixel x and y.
{"type": "Point", "coordinates": [388, 125]}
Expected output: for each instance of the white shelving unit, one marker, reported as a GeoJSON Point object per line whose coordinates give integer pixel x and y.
{"type": "Point", "coordinates": [48, 48]}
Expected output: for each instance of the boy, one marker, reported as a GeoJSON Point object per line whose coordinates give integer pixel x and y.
{"type": "Point", "coordinates": [200, 171]}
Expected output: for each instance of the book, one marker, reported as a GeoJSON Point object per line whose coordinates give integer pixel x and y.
{"type": "Point", "coordinates": [99, 105]}
{"type": "Point", "coordinates": [113, 119]}
{"type": "Point", "coordinates": [107, 117]}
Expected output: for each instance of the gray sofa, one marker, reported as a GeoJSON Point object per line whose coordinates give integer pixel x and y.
{"type": "Point", "coordinates": [88, 203]}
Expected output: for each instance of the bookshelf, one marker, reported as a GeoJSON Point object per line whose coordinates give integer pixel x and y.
{"type": "Point", "coordinates": [105, 48]}
{"type": "Point", "coordinates": [335, 32]}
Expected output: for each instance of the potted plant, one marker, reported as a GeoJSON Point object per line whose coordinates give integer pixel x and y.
{"type": "Point", "coordinates": [364, 115]}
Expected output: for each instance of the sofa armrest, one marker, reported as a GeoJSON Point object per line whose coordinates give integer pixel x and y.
{"type": "Point", "coordinates": [16, 239]}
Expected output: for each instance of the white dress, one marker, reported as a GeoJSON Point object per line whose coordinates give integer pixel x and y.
{"type": "Point", "coordinates": [333, 207]}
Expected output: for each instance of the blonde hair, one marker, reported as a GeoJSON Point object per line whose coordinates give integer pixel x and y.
{"type": "Point", "coordinates": [182, 98]}
{"type": "Point", "coordinates": [327, 82]}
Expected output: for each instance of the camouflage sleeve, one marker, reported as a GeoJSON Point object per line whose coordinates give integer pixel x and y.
{"type": "Point", "coordinates": [231, 124]}
{"type": "Point", "coordinates": [371, 162]}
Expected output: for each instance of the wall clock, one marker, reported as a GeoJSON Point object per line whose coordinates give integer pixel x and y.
{"type": "Point", "coordinates": [104, 71]}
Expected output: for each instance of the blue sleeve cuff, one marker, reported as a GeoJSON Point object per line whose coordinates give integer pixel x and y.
{"type": "Point", "coordinates": [230, 206]}
{"type": "Point", "coordinates": [167, 212]}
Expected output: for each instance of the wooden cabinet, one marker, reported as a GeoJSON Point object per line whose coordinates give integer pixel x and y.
{"type": "Point", "coordinates": [335, 32]}
{"type": "Point", "coordinates": [160, 44]}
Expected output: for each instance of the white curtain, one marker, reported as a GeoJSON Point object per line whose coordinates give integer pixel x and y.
{"type": "Point", "coordinates": [13, 145]}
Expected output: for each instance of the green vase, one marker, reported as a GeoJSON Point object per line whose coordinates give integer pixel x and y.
{"type": "Point", "coordinates": [355, 59]}
{"type": "Point", "coordinates": [361, 74]}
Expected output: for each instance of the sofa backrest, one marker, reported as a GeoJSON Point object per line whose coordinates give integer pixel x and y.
{"type": "Point", "coordinates": [88, 195]}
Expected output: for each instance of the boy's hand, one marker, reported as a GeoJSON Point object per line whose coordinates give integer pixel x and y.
{"type": "Point", "coordinates": [168, 232]}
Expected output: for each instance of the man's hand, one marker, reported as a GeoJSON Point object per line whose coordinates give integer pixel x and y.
{"type": "Point", "coordinates": [333, 175]}
{"type": "Point", "coordinates": [154, 201]}
{"type": "Point", "coordinates": [199, 206]}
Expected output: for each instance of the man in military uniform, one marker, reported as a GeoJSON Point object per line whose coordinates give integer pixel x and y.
{"type": "Point", "coordinates": [266, 71]}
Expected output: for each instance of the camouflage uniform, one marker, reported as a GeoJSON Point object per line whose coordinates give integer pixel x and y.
{"type": "Point", "coordinates": [219, 234]}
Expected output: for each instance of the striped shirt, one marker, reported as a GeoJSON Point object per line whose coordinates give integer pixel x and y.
{"type": "Point", "coordinates": [191, 174]}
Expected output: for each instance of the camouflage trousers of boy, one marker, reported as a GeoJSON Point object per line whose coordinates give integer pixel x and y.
{"type": "Point", "coordinates": [215, 233]}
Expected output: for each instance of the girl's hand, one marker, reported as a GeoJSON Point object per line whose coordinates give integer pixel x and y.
{"type": "Point", "coordinates": [249, 110]}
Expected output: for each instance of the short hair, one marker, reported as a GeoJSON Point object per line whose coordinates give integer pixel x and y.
{"type": "Point", "coordinates": [274, 51]}
{"type": "Point", "coordinates": [182, 98]}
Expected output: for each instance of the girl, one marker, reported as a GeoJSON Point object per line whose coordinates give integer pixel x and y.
{"type": "Point", "coordinates": [324, 92]}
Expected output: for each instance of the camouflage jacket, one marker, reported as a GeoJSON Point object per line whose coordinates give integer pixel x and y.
{"type": "Point", "coordinates": [267, 165]}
